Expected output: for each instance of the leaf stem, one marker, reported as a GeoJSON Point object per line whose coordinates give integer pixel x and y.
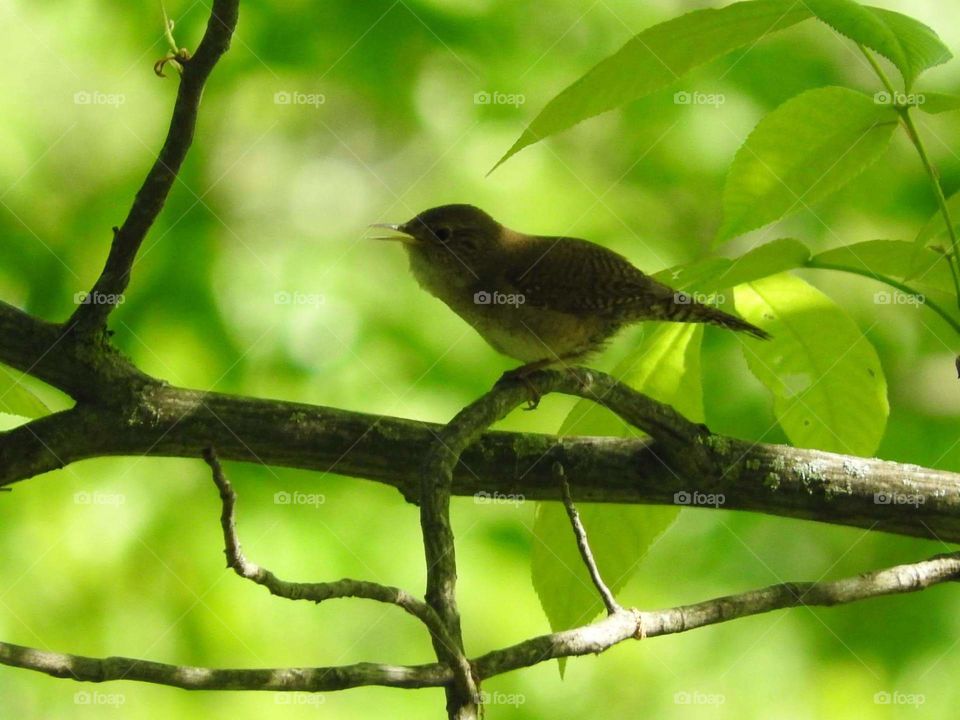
{"type": "Point", "coordinates": [953, 257]}
{"type": "Point", "coordinates": [168, 30]}
{"type": "Point", "coordinates": [902, 287]}
{"type": "Point", "coordinates": [938, 193]}
{"type": "Point", "coordinates": [878, 69]}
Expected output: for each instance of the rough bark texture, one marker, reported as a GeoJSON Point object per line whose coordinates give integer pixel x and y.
{"type": "Point", "coordinates": [133, 414]}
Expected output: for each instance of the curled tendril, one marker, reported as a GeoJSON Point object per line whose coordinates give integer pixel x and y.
{"type": "Point", "coordinates": [178, 57]}
{"type": "Point", "coordinates": [178, 60]}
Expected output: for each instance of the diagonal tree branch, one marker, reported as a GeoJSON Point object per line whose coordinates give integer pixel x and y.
{"type": "Point", "coordinates": [583, 544]}
{"type": "Point", "coordinates": [156, 186]}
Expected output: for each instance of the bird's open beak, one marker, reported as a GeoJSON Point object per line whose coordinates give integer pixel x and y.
{"type": "Point", "coordinates": [399, 234]}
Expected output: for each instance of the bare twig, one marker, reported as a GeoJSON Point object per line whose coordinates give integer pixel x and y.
{"type": "Point", "coordinates": [616, 628]}
{"type": "Point", "coordinates": [314, 592]}
{"type": "Point", "coordinates": [152, 195]}
{"type": "Point", "coordinates": [583, 544]}
{"type": "Point", "coordinates": [304, 679]}
{"type": "Point", "coordinates": [594, 638]}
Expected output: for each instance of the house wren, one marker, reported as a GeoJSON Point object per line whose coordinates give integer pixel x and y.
{"type": "Point", "coordinates": [541, 300]}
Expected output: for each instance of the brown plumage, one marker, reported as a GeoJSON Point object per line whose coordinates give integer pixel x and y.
{"type": "Point", "coordinates": [535, 298]}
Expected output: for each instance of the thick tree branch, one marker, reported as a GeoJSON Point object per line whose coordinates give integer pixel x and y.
{"type": "Point", "coordinates": [589, 639]}
{"type": "Point", "coordinates": [88, 369]}
{"type": "Point", "coordinates": [141, 416]}
{"type": "Point", "coordinates": [156, 186]}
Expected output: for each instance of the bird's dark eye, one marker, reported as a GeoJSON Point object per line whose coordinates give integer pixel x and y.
{"type": "Point", "coordinates": [442, 233]}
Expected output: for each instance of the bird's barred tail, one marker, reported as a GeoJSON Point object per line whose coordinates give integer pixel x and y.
{"type": "Point", "coordinates": [732, 322]}
{"type": "Point", "coordinates": [692, 311]}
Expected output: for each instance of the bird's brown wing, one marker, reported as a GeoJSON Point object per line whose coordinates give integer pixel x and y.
{"type": "Point", "coordinates": [578, 277]}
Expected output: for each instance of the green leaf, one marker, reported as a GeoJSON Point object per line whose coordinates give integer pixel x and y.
{"type": "Point", "coordinates": [656, 58]}
{"type": "Point", "coordinates": [896, 259]}
{"type": "Point", "coordinates": [934, 233]}
{"type": "Point", "coordinates": [802, 152]}
{"type": "Point", "coordinates": [665, 366]}
{"type": "Point", "coordinates": [829, 390]}
{"type": "Point", "coordinates": [935, 229]}
{"type": "Point", "coordinates": [15, 399]}
{"type": "Point", "coordinates": [713, 274]}
{"type": "Point", "coordinates": [907, 43]}
{"type": "Point", "coordinates": [934, 103]}
{"type": "Point", "coordinates": [768, 259]}
{"type": "Point", "coordinates": [697, 275]}
{"type": "Point", "coordinates": [921, 44]}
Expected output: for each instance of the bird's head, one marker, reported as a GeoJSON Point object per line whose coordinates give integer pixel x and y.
{"type": "Point", "coordinates": [461, 240]}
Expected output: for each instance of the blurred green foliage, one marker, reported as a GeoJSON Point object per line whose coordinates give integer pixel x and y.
{"type": "Point", "coordinates": [272, 206]}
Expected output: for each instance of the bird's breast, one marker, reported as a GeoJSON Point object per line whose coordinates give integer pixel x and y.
{"type": "Point", "coordinates": [502, 316]}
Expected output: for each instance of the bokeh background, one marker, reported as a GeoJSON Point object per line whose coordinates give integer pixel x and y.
{"type": "Point", "coordinates": [325, 117]}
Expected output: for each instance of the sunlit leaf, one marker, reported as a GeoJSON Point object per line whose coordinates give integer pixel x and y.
{"type": "Point", "coordinates": [768, 259]}
{"type": "Point", "coordinates": [697, 275]}
{"type": "Point", "coordinates": [828, 388]}
{"type": "Point", "coordinates": [15, 399]}
{"type": "Point", "coordinates": [802, 152]}
{"type": "Point", "coordinates": [935, 229]}
{"type": "Point", "coordinates": [907, 43]}
{"type": "Point", "coordinates": [712, 274]}
{"type": "Point", "coordinates": [892, 258]}
{"type": "Point", "coordinates": [656, 58]}
{"type": "Point", "coordinates": [665, 366]}
{"type": "Point", "coordinates": [934, 103]}
{"type": "Point", "coordinates": [935, 234]}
